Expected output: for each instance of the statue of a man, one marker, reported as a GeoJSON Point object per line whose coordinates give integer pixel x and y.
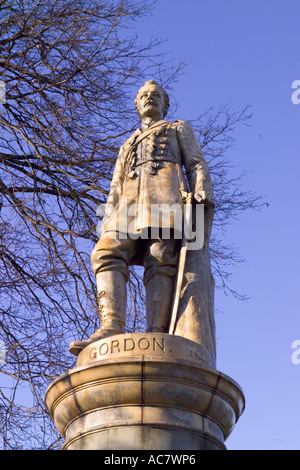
{"type": "Point", "coordinates": [150, 170]}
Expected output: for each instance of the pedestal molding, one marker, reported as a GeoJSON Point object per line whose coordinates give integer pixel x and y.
{"type": "Point", "coordinates": [158, 396]}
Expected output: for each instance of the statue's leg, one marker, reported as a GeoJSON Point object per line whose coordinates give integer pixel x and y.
{"type": "Point", "coordinates": [160, 262]}
{"type": "Point", "coordinates": [159, 295]}
{"type": "Point", "coordinates": [112, 297]}
{"type": "Point", "coordinates": [110, 265]}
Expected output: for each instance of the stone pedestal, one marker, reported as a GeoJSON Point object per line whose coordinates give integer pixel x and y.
{"type": "Point", "coordinates": [144, 391]}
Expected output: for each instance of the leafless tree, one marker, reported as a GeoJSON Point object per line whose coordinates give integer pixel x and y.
{"type": "Point", "coordinates": [71, 68]}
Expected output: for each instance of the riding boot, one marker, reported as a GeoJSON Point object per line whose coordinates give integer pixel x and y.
{"type": "Point", "coordinates": [112, 296]}
{"type": "Point", "coordinates": [159, 296]}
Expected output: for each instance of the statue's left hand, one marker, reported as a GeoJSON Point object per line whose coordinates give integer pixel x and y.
{"type": "Point", "coordinates": [202, 197]}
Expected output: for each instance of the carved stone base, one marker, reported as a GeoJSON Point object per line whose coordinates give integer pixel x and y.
{"type": "Point", "coordinates": [144, 391]}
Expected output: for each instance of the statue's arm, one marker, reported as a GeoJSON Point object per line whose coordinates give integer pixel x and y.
{"type": "Point", "coordinates": [196, 167]}
{"type": "Point", "coordinates": [116, 187]}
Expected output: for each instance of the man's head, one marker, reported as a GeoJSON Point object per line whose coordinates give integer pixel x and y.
{"type": "Point", "coordinates": [152, 101]}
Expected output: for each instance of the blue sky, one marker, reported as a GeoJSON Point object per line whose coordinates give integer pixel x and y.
{"type": "Point", "coordinates": [247, 52]}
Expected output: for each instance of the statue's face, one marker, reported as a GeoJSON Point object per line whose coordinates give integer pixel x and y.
{"type": "Point", "coordinates": [150, 102]}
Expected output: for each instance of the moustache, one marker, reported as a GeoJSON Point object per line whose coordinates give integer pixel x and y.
{"type": "Point", "coordinates": [149, 102]}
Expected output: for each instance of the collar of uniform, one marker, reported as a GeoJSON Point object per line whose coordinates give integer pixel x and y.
{"type": "Point", "coordinates": [152, 126]}
{"type": "Point", "coordinates": [139, 135]}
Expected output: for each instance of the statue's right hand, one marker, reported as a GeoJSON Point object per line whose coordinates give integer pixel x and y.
{"type": "Point", "coordinates": [204, 197]}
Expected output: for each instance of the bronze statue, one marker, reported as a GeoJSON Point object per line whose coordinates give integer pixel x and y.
{"type": "Point", "coordinates": [150, 170]}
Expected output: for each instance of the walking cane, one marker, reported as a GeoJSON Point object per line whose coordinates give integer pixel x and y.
{"type": "Point", "coordinates": [181, 264]}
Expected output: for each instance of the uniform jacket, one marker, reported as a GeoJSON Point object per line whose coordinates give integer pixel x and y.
{"type": "Point", "coordinates": [157, 166]}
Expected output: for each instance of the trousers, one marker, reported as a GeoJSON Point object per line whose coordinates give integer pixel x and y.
{"type": "Point", "coordinates": [158, 256]}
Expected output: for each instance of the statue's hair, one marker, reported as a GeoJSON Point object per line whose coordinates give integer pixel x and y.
{"type": "Point", "coordinates": [165, 95]}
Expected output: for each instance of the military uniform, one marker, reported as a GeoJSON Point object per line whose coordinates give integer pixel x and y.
{"type": "Point", "coordinates": [149, 171]}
